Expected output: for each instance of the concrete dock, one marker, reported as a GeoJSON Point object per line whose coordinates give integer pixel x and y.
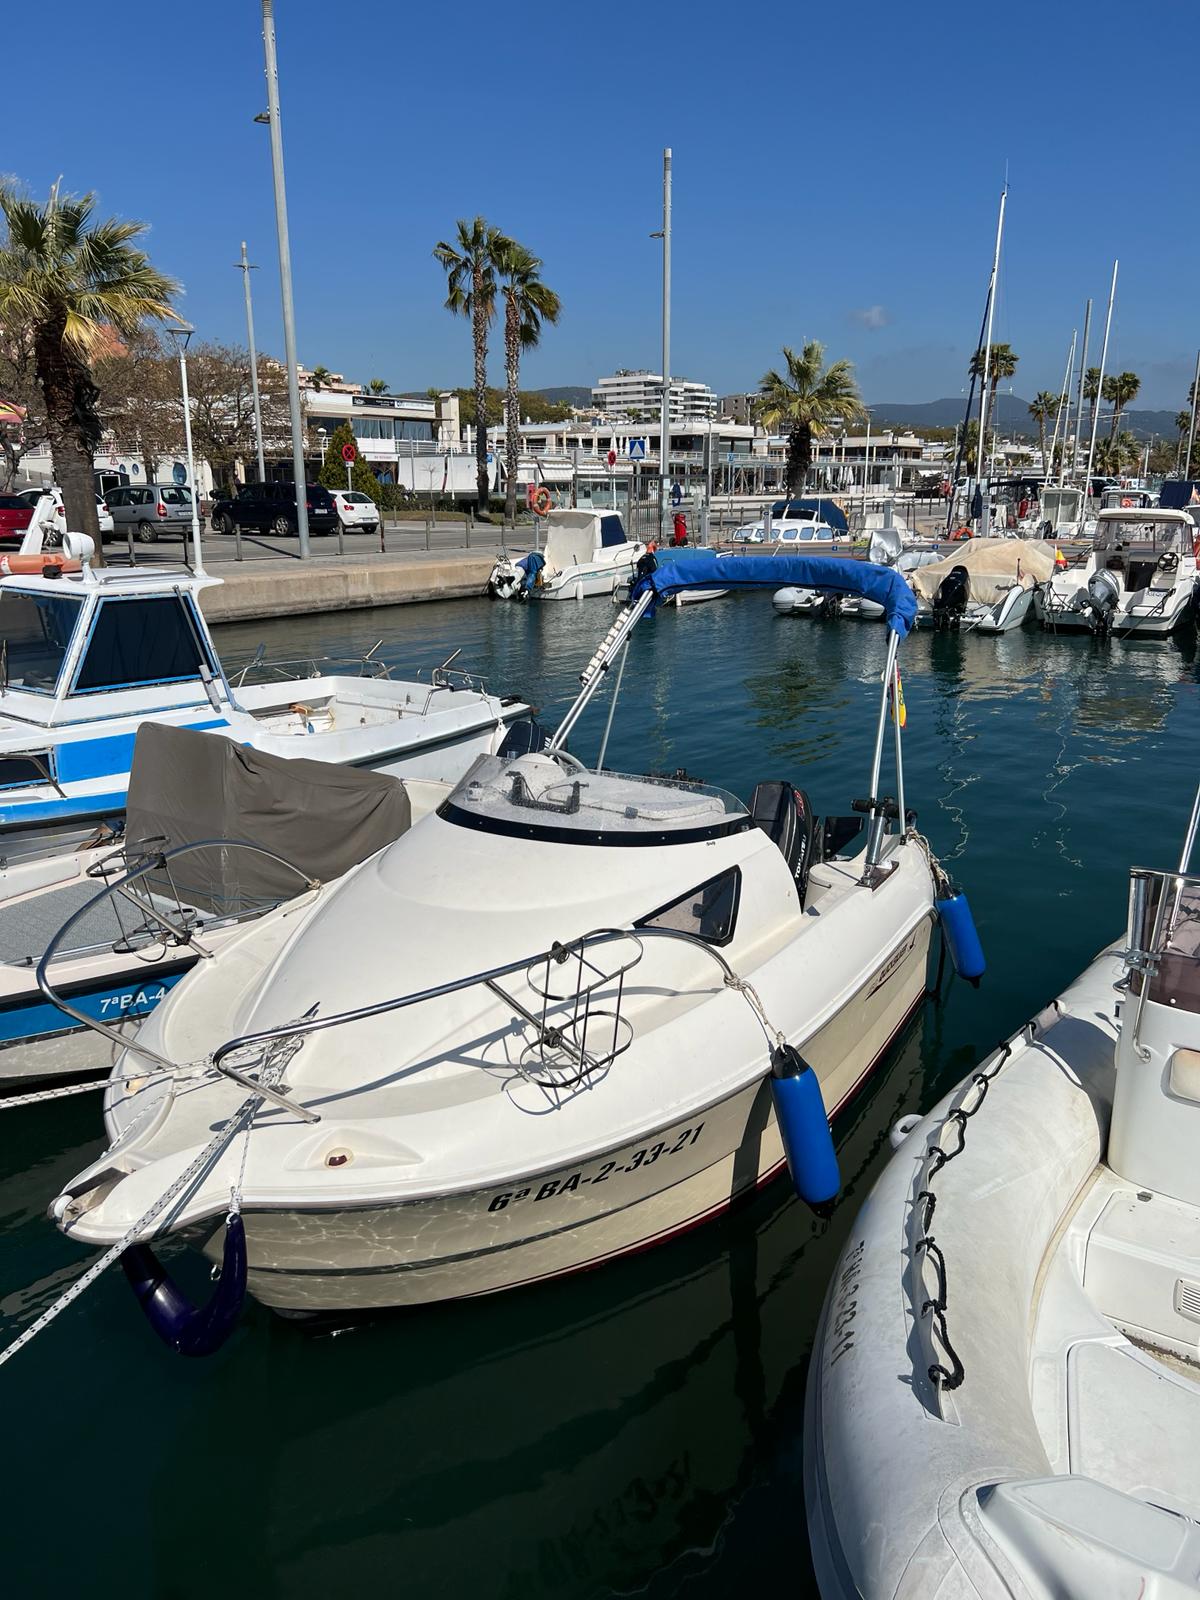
{"type": "Point", "coordinates": [284, 587]}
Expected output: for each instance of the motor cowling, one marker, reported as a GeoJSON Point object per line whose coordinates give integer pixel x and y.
{"type": "Point", "coordinates": [1101, 597]}
{"type": "Point", "coordinates": [950, 601]}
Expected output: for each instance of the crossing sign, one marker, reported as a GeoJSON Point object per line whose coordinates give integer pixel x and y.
{"type": "Point", "coordinates": [637, 449]}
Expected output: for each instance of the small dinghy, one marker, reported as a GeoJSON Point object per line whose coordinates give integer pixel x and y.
{"type": "Point", "coordinates": [986, 586]}
{"type": "Point", "coordinates": [585, 554]}
{"type": "Point", "coordinates": [1004, 1396]}
{"type": "Point", "coordinates": [566, 1016]}
{"type": "Point", "coordinates": [1137, 581]}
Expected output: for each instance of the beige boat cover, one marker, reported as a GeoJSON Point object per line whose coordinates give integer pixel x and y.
{"type": "Point", "coordinates": [991, 564]}
{"type": "Point", "coordinates": [185, 787]}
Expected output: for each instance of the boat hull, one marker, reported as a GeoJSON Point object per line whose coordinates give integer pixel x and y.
{"type": "Point", "coordinates": [566, 1219]}
{"type": "Point", "coordinates": [586, 583]}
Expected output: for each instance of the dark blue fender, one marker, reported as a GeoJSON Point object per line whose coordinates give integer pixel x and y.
{"type": "Point", "coordinates": [190, 1330]}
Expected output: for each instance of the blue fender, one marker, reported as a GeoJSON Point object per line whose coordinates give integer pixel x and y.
{"type": "Point", "coordinates": [804, 1127]}
{"type": "Point", "coordinates": [966, 951]}
{"type": "Point", "coordinates": [190, 1330]}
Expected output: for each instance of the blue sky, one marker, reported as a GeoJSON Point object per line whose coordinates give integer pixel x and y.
{"type": "Point", "coordinates": [837, 170]}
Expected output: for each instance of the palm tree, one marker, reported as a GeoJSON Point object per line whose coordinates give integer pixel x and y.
{"type": "Point", "coordinates": [1183, 426]}
{"type": "Point", "coordinates": [804, 400]}
{"type": "Point", "coordinates": [1042, 407]}
{"type": "Point", "coordinates": [1116, 454]}
{"type": "Point", "coordinates": [470, 266]}
{"type": "Point", "coordinates": [76, 284]}
{"type": "Point", "coordinates": [1002, 363]}
{"type": "Point", "coordinates": [1120, 391]}
{"type": "Point", "coordinates": [320, 376]}
{"type": "Point", "coordinates": [378, 386]}
{"type": "Point", "coordinates": [527, 304]}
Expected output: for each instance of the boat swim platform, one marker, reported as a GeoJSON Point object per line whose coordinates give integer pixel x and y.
{"type": "Point", "coordinates": [287, 587]}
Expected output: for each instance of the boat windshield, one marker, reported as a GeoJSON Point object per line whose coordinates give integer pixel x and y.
{"type": "Point", "coordinates": [1163, 934]}
{"type": "Point", "coordinates": [1143, 534]}
{"type": "Point", "coordinates": [536, 796]}
{"type": "Point", "coordinates": [1061, 505]}
{"type": "Point", "coordinates": [37, 630]}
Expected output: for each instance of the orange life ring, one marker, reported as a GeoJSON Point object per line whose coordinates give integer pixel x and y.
{"type": "Point", "coordinates": [18, 565]}
{"type": "Point", "coordinates": [542, 502]}
{"type": "Point", "coordinates": [1126, 502]}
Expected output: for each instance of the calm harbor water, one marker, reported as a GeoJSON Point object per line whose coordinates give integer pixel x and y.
{"type": "Point", "coordinates": [636, 1430]}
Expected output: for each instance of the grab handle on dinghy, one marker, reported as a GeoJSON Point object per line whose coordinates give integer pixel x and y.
{"type": "Point", "coordinates": [190, 1330]}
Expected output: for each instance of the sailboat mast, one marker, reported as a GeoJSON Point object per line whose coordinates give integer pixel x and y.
{"type": "Point", "coordinates": [1087, 323]}
{"type": "Point", "coordinates": [987, 363]}
{"type": "Point", "coordinates": [1112, 295]}
{"type": "Point", "coordinates": [1064, 404]}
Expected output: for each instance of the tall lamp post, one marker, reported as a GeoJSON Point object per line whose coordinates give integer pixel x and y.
{"type": "Point", "coordinates": [664, 443]}
{"type": "Point", "coordinates": [246, 269]}
{"type": "Point", "coordinates": [285, 269]}
{"type": "Point", "coordinates": [179, 336]}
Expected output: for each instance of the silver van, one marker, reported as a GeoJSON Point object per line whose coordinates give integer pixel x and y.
{"type": "Point", "coordinates": [150, 510]}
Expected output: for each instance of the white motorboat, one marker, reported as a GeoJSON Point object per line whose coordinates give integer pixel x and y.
{"type": "Point", "coordinates": [557, 1021]}
{"type": "Point", "coordinates": [798, 524]}
{"type": "Point", "coordinates": [175, 899]}
{"type": "Point", "coordinates": [1004, 1395]}
{"type": "Point", "coordinates": [1138, 579]}
{"type": "Point", "coordinates": [986, 586]}
{"type": "Point", "coordinates": [89, 656]}
{"type": "Point", "coordinates": [1060, 515]}
{"type": "Point", "coordinates": [585, 554]}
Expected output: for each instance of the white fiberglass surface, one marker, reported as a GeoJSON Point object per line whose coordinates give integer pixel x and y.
{"type": "Point", "coordinates": [536, 791]}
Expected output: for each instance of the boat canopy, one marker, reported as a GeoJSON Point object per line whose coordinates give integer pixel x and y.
{"type": "Point", "coordinates": [1150, 529]}
{"type": "Point", "coordinates": [1062, 505]}
{"type": "Point", "coordinates": [1178, 492]}
{"type": "Point", "coordinates": [812, 508]}
{"type": "Point", "coordinates": [992, 565]}
{"type": "Point", "coordinates": [573, 537]}
{"type": "Point", "coordinates": [830, 574]}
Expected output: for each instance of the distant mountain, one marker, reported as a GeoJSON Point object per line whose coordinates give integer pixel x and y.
{"type": "Point", "coordinates": [568, 395]}
{"type": "Point", "coordinates": [1011, 414]}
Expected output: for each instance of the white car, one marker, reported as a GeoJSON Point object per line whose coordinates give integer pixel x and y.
{"type": "Point", "coordinates": [103, 514]}
{"type": "Point", "coordinates": [358, 511]}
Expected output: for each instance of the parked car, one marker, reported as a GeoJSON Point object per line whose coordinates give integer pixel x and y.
{"type": "Point", "coordinates": [15, 513]}
{"type": "Point", "coordinates": [358, 512]}
{"type": "Point", "coordinates": [271, 508]}
{"type": "Point", "coordinates": [30, 498]}
{"type": "Point", "coordinates": [149, 510]}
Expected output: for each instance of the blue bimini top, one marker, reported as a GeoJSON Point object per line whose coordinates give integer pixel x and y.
{"type": "Point", "coordinates": [830, 574]}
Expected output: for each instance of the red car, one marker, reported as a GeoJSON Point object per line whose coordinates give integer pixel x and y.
{"type": "Point", "coordinates": [14, 518]}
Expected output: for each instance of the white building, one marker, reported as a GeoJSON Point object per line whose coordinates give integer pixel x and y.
{"type": "Point", "coordinates": [638, 396]}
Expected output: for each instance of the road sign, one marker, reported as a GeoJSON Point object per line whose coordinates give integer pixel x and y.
{"type": "Point", "coordinates": [637, 449]}
{"type": "Point", "coordinates": [612, 458]}
{"type": "Point", "coordinates": [349, 453]}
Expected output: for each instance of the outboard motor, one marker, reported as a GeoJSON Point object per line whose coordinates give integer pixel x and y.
{"type": "Point", "coordinates": [950, 601]}
{"type": "Point", "coordinates": [1102, 595]}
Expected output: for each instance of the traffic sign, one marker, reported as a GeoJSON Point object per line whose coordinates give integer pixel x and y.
{"type": "Point", "coordinates": [612, 458]}
{"type": "Point", "coordinates": [637, 449]}
{"type": "Point", "coordinates": [349, 453]}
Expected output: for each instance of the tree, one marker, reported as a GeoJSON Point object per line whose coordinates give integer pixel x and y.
{"type": "Point", "coordinates": [530, 403]}
{"type": "Point", "coordinates": [528, 303]}
{"type": "Point", "coordinates": [73, 282]}
{"type": "Point", "coordinates": [804, 399]}
{"type": "Point", "coordinates": [333, 468]}
{"type": "Point", "coordinates": [22, 410]}
{"type": "Point", "coordinates": [1120, 390]}
{"type": "Point", "coordinates": [319, 377]}
{"type": "Point", "coordinates": [378, 386]}
{"type": "Point", "coordinates": [1117, 454]}
{"type": "Point", "coordinates": [1002, 363]}
{"type": "Point", "coordinates": [1042, 407]}
{"type": "Point", "coordinates": [470, 267]}
{"type": "Point", "coordinates": [140, 399]}
{"type": "Point", "coordinates": [223, 405]}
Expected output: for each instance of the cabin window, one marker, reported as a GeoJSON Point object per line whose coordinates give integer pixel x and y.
{"type": "Point", "coordinates": [708, 912]}
{"type": "Point", "coordinates": [36, 629]}
{"type": "Point", "coordinates": [18, 772]}
{"type": "Point", "coordinates": [612, 531]}
{"type": "Point", "coordinates": [137, 642]}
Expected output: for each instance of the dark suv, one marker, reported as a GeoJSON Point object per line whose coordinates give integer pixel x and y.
{"type": "Point", "coordinates": [271, 508]}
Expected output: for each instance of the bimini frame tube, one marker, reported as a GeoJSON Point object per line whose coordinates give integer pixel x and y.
{"type": "Point", "coordinates": [875, 840]}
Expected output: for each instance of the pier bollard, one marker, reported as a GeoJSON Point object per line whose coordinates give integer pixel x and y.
{"type": "Point", "coordinates": [237, 542]}
{"type": "Point", "coordinates": [129, 541]}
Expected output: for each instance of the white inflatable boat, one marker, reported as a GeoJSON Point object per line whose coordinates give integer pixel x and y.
{"type": "Point", "coordinates": [1004, 1397]}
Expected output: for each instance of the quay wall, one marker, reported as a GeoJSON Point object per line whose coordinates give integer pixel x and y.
{"type": "Point", "coordinates": [260, 589]}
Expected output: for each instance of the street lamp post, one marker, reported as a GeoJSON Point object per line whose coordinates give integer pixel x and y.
{"type": "Point", "coordinates": [246, 269]}
{"type": "Point", "coordinates": [179, 337]}
{"type": "Point", "coordinates": [285, 270]}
